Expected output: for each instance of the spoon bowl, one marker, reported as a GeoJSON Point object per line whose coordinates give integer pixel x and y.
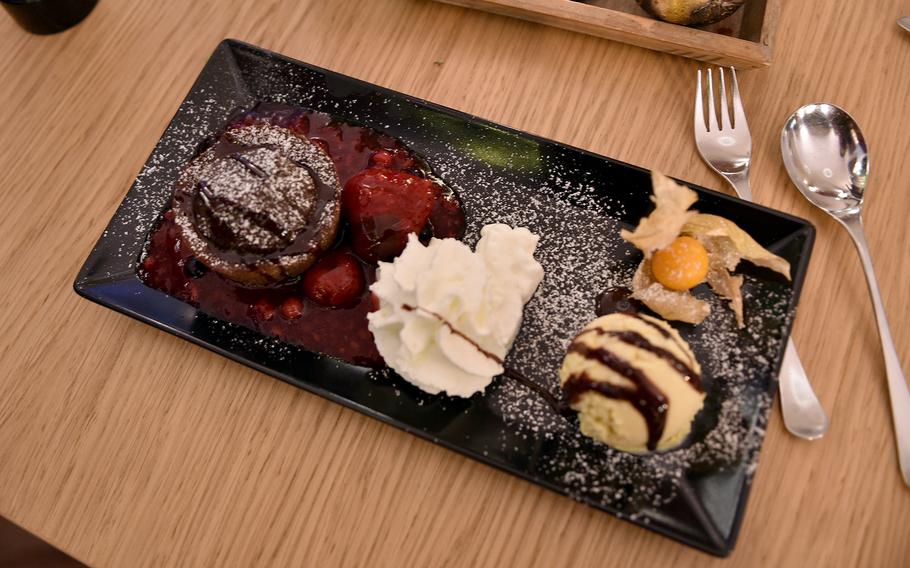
{"type": "Point", "coordinates": [826, 156]}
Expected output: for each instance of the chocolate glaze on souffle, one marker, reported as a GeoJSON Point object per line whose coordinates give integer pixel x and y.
{"type": "Point", "coordinates": [260, 205]}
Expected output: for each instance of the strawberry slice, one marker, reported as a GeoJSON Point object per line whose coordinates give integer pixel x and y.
{"type": "Point", "coordinates": [383, 206]}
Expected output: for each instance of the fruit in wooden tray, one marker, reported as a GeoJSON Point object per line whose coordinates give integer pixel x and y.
{"type": "Point", "coordinates": [691, 12]}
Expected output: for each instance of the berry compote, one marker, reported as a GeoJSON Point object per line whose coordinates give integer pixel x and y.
{"type": "Point", "coordinates": [389, 191]}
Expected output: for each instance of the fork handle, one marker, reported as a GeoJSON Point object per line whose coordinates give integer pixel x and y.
{"type": "Point", "coordinates": [740, 183]}
{"type": "Point", "coordinates": [804, 415]}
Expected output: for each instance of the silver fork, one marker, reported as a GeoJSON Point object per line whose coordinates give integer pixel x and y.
{"type": "Point", "coordinates": [727, 148]}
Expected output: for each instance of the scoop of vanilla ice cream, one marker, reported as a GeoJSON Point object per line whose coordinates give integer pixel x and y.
{"type": "Point", "coordinates": [447, 316]}
{"type": "Point", "coordinates": [604, 352]}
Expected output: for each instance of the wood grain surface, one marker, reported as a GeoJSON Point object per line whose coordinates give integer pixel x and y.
{"type": "Point", "coordinates": [125, 446]}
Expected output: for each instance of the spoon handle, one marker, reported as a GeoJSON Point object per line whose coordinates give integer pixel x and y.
{"type": "Point", "coordinates": [897, 384]}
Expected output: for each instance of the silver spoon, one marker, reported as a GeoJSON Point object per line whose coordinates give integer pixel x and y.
{"type": "Point", "coordinates": [904, 23]}
{"type": "Point", "coordinates": [826, 157]}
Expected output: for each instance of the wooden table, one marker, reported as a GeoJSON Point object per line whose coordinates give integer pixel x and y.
{"type": "Point", "coordinates": [123, 445]}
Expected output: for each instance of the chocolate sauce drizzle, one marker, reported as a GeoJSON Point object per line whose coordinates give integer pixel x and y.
{"type": "Point", "coordinates": [649, 400]}
{"type": "Point", "coordinates": [620, 300]}
{"type": "Point", "coordinates": [250, 166]}
{"type": "Point", "coordinates": [445, 322]}
{"type": "Point", "coordinates": [669, 336]}
{"type": "Point", "coordinates": [659, 329]}
{"type": "Point", "coordinates": [220, 220]}
{"type": "Point", "coordinates": [616, 299]}
{"type": "Point", "coordinates": [222, 231]}
{"type": "Point", "coordinates": [637, 340]}
{"type": "Point", "coordinates": [689, 374]}
{"type": "Point", "coordinates": [558, 406]}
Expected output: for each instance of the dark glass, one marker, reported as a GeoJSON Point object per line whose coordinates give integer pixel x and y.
{"type": "Point", "coordinates": [48, 16]}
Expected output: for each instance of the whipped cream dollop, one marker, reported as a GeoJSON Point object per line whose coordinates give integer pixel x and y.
{"type": "Point", "coordinates": [447, 316]}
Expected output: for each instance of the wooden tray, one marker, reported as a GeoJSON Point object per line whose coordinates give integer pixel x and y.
{"type": "Point", "coordinates": [744, 40]}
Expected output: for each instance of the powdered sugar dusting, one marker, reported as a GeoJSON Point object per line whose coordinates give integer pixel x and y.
{"type": "Point", "coordinates": [576, 204]}
{"type": "Point", "coordinates": [582, 254]}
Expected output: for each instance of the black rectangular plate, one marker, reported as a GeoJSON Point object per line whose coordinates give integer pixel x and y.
{"type": "Point", "coordinates": [577, 202]}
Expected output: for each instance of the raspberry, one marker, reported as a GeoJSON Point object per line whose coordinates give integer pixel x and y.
{"type": "Point", "coordinates": [381, 159]}
{"type": "Point", "coordinates": [262, 310]}
{"type": "Point", "coordinates": [399, 160]}
{"type": "Point", "coordinates": [336, 280]}
{"type": "Point", "coordinates": [292, 308]}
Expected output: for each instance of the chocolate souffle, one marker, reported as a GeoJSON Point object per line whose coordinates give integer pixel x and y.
{"type": "Point", "coordinates": [260, 205]}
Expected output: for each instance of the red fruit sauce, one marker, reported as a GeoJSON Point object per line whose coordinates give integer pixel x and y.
{"type": "Point", "coordinates": [283, 310]}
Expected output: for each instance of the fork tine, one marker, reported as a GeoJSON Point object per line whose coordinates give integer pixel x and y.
{"type": "Point", "coordinates": [739, 114]}
{"type": "Point", "coordinates": [699, 107]}
{"type": "Point", "coordinates": [712, 116]}
{"type": "Point", "coordinates": [724, 112]}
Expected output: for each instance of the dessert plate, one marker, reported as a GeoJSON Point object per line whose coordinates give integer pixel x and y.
{"type": "Point", "coordinates": [577, 202]}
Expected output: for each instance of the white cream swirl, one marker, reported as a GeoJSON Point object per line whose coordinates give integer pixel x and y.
{"type": "Point", "coordinates": [447, 316]}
